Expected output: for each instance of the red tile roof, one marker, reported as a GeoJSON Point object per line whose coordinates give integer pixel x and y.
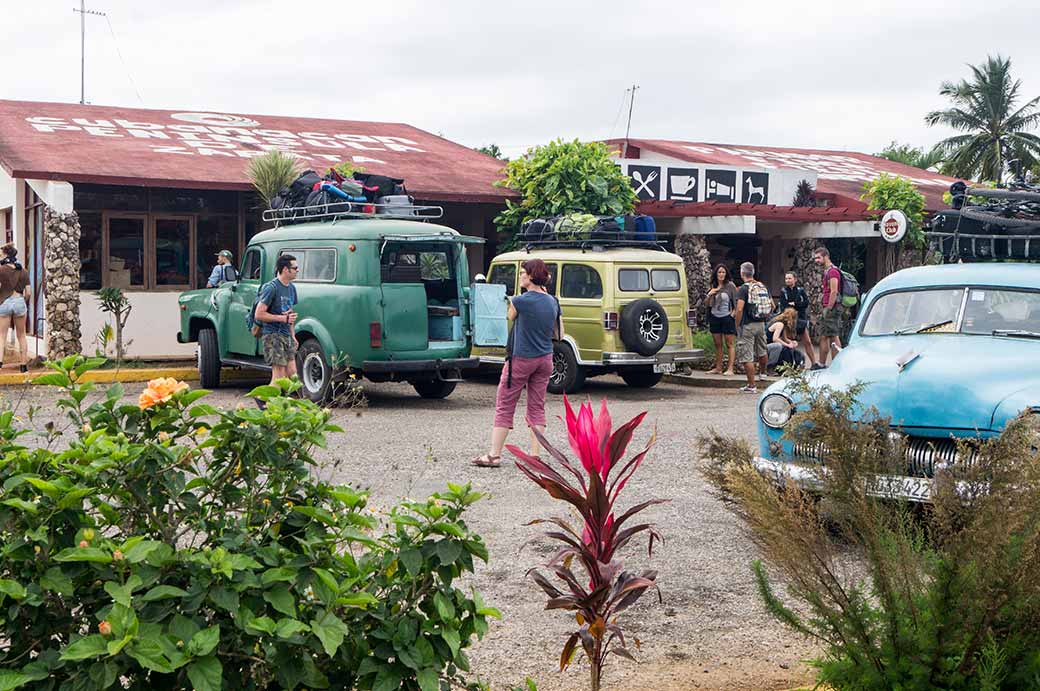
{"type": "Point", "coordinates": [841, 173]}
{"type": "Point", "coordinates": [134, 146]}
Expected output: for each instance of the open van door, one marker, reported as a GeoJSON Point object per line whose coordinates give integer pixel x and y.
{"type": "Point", "coordinates": [489, 308]}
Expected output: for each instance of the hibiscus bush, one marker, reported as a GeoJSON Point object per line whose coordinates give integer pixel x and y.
{"type": "Point", "coordinates": [171, 545]}
{"type": "Point", "coordinates": [596, 543]}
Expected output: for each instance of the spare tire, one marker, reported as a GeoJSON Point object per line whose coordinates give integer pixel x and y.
{"type": "Point", "coordinates": [644, 326]}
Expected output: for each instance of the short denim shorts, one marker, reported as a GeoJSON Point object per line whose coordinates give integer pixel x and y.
{"type": "Point", "coordinates": [14, 306]}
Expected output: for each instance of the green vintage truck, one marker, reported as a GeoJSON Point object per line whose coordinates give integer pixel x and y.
{"type": "Point", "coordinates": [389, 300]}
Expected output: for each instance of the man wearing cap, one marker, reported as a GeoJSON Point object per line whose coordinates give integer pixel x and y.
{"type": "Point", "coordinates": [223, 272]}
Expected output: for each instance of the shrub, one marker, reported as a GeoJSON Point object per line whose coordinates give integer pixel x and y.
{"type": "Point", "coordinates": [564, 177]}
{"type": "Point", "coordinates": [172, 545]}
{"type": "Point", "coordinates": [887, 192]}
{"type": "Point", "coordinates": [610, 590]}
{"type": "Point", "coordinates": [941, 596]}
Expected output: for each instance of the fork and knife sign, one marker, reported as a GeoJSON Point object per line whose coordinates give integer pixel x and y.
{"type": "Point", "coordinates": [644, 185]}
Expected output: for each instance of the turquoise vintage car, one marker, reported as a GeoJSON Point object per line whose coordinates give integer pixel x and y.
{"type": "Point", "coordinates": [946, 352]}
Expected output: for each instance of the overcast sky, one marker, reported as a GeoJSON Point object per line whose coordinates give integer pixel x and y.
{"type": "Point", "coordinates": [837, 75]}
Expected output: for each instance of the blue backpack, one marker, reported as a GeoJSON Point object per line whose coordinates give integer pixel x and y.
{"type": "Point", "coordinates": [645, 229]}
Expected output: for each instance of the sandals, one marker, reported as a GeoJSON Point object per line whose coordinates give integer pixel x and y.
{"type": "Point", "coordinates": [487, 461]}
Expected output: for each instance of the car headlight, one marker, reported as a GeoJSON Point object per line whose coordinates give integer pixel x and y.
{"type": "Point", "coordinates": [776, 410]}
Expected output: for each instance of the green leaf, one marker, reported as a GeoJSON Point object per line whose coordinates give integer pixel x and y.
{"type": "Point", "coordinates": [445, 610]}
{"type": "Point", "coordinates": [51, 379]}
{"type": "Point", "coordinates": [204, 642]}
{"type": "Point", "coordinates": [104, 674]}
{"type": "Point", "coordinates": [75, 498]}
{"type": "Point", "coordinates": [12, 588]}
{"type": "Point", "coordinates": [163, 592]}
{"type": "Point", "coordinates": [330, 630]}
{"type": "Point", "coordinates": [114, 647]}
{"type": "Point", "coordinates": [149, 654]}
{"type": "Point", "coordinates": [12, 680]}
{"type": "Point", "coordinates": [22, 504]}
{"type": "Point", "coordinates": [55, 580]}
{"type": "Point", "coordinates": [281, 599]}
{"type": "Point", "coordinates": [428, 679]}
{"type": "Point", "coordinates": [262, 624]}
{"type": "Point", "coordinates": [206, 674]}
{"type": "Point", "coordinates": [48, 488]}
{"type": "Point", "coordinates": [448, 551]}
{"type": "Point", "coordinates": [362, 599]}
{"type": "Point", "coordinates": [287, 628]}
{"type": "Point", "coordinates": [224, 598]}
{"type": "Point", "coordinates": [140, 551]}
{"type": "Point", "coordinates": [91, 554]}
{"type": "Point", "coordinates": [451, 637]}
{"type": "Point", "coordinates": [118, 593]}
{"type": "Point", "coordinates": [88, 646]}
{"type": "Point", "coordinates": [281, 573]}
{"type": "Point", "coordinates": [264, 392]}
{"type": "Point", "coordinates": [448, 529]}
{"type": "Point", "coordinates": [183, 628]}
{"type": "Point", "coordinates": [387, 680]}
{"type": "Point", "coordinates": [412, 560]}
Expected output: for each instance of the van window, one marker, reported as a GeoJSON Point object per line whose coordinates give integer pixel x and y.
{"type": "Point", "coordinates": [317, 265]}
{"type": "Point", "coordinates": [581, 281]}
{"type": "Point", "coordinates": [550, 287]}
{"type": "Point", "coordinates": [434, 266]}
{"type": "Point", "coordinates": [504, 274]}
{"type": "Point", "coordinates": [665, 279]}
{"type": "Point", "coordinates": [251, 265]}
{"type": "Point", "coordinates": [633, 280]}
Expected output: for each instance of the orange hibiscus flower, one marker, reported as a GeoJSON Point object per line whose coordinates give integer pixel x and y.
{"type": "Point", "coordinates": [160, 391]}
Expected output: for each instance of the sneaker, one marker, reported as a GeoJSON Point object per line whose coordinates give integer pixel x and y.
{"type": "Point", "coordinates": [748, 389]}
{"type": "Point", "coordinates": [817, 366]}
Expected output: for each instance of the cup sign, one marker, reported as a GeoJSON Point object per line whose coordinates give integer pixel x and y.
{"type": "Point", "coordinates": [682, 184]}
{"type": "Point", "coordinates": [893, 225]}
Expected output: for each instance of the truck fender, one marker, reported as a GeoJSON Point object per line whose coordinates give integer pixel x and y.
{"type": "Point", "coordinates": [313, 328]}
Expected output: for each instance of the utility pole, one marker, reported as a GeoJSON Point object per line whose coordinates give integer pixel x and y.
{"type": "Point", "coordinates": [83, 12]}
{"type": "Point", "coordinates": [628, 127]}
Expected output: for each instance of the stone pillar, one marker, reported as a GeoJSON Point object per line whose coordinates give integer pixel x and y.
{"type": "Point", "coordinates": [694, 252]}
{"type": "Point", "coordinates": [61, 264]}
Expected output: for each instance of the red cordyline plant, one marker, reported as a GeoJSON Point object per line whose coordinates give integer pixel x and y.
{"type": "Point", "coordinates": [609, 589]}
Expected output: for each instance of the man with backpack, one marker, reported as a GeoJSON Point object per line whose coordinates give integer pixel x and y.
{"type": "Point", "coordinates": [754, 306]}
{"type": "Point", "coordinates": [223, 272]}
{"type": "Point", "coordinates": [829, 326]}
{"type": "Point", "coordinates": [276, 317]}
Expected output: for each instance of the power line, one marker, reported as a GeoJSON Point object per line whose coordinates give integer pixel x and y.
{"type": "Point", "coordinates": [621, 106]}
{"type": "Point", "coordinates": [129, 74]}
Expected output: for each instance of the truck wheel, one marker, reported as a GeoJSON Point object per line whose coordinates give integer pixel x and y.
{"type": "Point", "coordinates": [567, 375]}
{"type": "Point", "coordinates": [640, 377]}
{"type": "Point", "coordinates": [313, 368]}
{"type": "Point", "coordinates": [644, 326]}
{"type": "Point", "coordinates": [208, 355]}
{"type": "Point", "coordinates": [434, 388]}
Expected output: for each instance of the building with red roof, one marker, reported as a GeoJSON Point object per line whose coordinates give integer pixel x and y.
{"type": "Point", "coordinates": [741, 198]}
{"type": "Point", "coordinates": [159, 192]}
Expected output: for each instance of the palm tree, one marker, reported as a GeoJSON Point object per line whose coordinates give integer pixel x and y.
{"type": "Point", "coordinates": [911, 155]}
{"type": "Point", "coordinates": [272, 172]}
{"type": "Point", "coordinates": [994, 132]}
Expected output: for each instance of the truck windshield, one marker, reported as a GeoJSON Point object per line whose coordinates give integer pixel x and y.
{"type": "Point", "coordinates": [988, 311]}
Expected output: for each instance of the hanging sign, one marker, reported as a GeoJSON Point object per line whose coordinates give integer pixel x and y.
{"type": "Point", "coordinates": [893, 225]}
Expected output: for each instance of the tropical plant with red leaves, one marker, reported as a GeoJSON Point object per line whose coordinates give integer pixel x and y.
{"type": "Point", "coordinates": [593, 493]}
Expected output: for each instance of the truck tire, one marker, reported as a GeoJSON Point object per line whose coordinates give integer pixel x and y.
{"type": "Point", "coordinates": [433, 388]}
{"type": "Point", "coordinates": [567, 375]}
{"type": "Point", "coordinates": [208, 359]}
{"type": "Point", "coordinates": [644, 326]}
{"type": "Point", "coordinates": [314, 371]}
{"type": "Point", "coordinates": [641, 377]}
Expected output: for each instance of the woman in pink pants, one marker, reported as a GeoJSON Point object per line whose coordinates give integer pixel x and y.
{"type": "Point", "coordinates": [536, 321]}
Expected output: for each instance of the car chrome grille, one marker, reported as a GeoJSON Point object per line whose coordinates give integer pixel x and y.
{"type": "Point", "coordinates": [923, 455]}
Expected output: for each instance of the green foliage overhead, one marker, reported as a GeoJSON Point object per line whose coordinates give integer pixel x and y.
{"type": "Point", "coordinates": [172, 546]}
{"type": "Point", "coordinates": [995, 127]}
{"type": "Point", "coordinates": [911, 155]}
{"type": "Point", "coordinates": [491, 150]}
{"type": "Point", "coordinates": [272, 172]}
{"type": "Point", "coordinates": [565, 177]}
{"type": "Point", "coordinates": [887, 192]}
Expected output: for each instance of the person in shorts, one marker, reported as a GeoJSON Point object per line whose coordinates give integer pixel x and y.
{"type": "Point", "coordinates": [14, 293]}
{"type": "Point", "coordinates": [750, 316]}
{"type": "Point", "coordinates": [793, 295]}
{"type": "Point", "coordinates": [829, 326]}
{"type": "Point", "coordinates": [277, 318]}
{"type": "Point", "coordinates": [721, 301]}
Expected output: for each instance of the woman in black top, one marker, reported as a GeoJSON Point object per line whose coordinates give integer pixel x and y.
{"type": "Point", "coordinates": [793, 295]}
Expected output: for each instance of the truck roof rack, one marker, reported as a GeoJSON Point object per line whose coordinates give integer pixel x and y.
{"type": "Point", "coordinates": [337, 210]}
{"type": "Point", "coordinates": [595, 244]}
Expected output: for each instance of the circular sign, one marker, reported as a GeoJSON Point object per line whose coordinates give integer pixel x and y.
{"type": "Point", "coordinates": [219, 119]}
{"type": "Point", "coordinates": [893, 225]}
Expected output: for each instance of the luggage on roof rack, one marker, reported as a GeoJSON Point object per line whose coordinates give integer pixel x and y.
{"type": "Point", "coordinates": [587, 230]}
{"type": "Point", "coordinates": [344, 209]}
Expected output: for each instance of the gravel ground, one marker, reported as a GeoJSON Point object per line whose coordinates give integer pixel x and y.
{"type": "Point", "coordinates": [711, 632]}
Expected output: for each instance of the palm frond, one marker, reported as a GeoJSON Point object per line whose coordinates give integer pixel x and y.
{"type": "Point", "coordinates": [272, 172]}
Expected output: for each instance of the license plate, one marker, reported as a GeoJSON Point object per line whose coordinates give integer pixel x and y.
{"type": "Point", "coordinates": [664, 368]}
{"type": "Point", "coordinates": [900, 487]}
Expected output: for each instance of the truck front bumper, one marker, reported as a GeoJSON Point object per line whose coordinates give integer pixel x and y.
{"type": "Point", "coordinates": [661, 357]}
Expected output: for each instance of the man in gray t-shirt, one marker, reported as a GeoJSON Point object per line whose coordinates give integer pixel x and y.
{"type": "Point", "coordinates": [274, 312]}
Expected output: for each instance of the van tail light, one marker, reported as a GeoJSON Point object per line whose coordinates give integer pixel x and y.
{"type": "Point", "coordinates": [691, 318]}
{"type": "Point", "coordinates": [375, 334]}
{"type": "Point", "coordinates": [610, 321]}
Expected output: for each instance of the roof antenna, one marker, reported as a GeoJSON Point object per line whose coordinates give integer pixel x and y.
{"type": "Point", "coordinates": [631, 102]}
{"type": "Point", "coordinates": [83, 12]}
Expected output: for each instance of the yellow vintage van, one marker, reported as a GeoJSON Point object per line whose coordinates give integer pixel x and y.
{"type": "Point", "coordinates": [625, 311]}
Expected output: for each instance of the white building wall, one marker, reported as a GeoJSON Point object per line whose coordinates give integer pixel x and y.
{"type": "Point", "coordinates": [152, 326]}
